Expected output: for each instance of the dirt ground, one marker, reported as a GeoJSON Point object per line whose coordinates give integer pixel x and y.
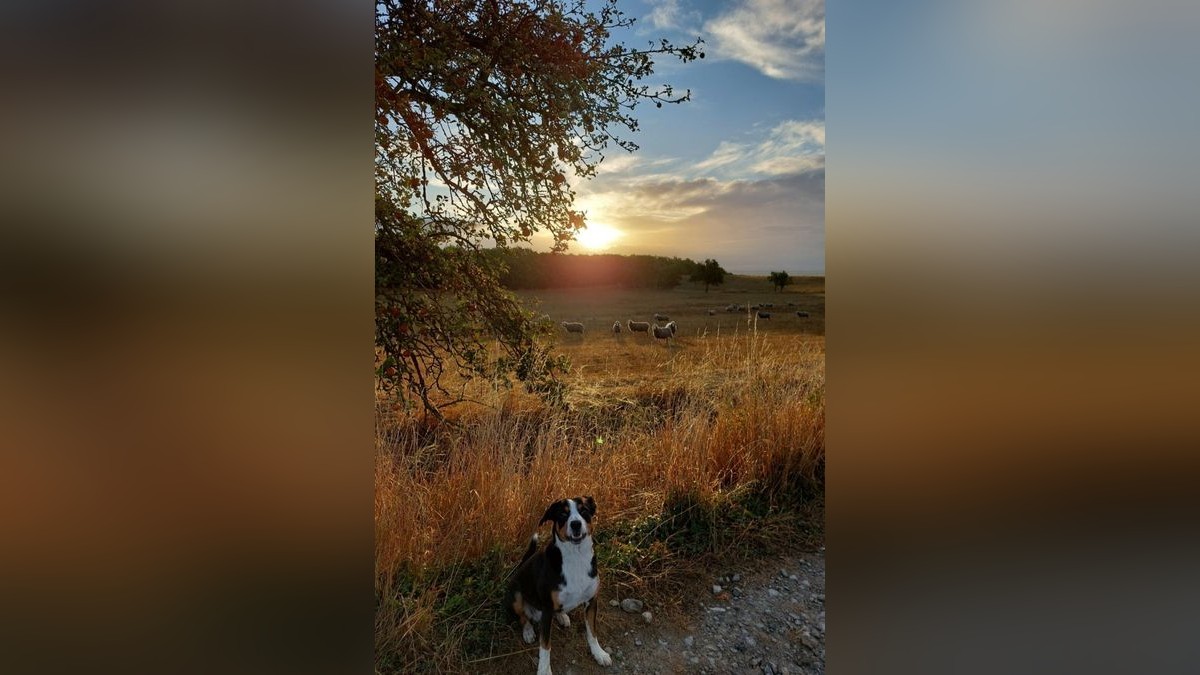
{"type": "Point", "coordinates": [768, 617]}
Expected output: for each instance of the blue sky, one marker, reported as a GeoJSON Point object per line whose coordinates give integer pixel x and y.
{"type": "Point", "coordinates": [738, 173]}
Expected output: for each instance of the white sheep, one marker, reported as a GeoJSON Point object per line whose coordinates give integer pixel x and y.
{"type": "Point", "coordinates": [661, 317]}
{"type": "Point", "coordinates": [664, 332]}
{"type": "Point", "coordinates": [764, 315]}
{"type": "Point", "coordinates": [573, 326]}
{"type": "Point", "coordinates": [638, 326]}
{"type": "Point", "coordinates": [712, 312]}
{"type": "Point", "coordinates": [616, 327]}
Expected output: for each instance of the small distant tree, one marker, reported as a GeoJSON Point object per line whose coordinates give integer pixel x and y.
{"type": "Point", "coordinates": [779, 280]}
{"type": "Point", "coordinates": [709, 273]}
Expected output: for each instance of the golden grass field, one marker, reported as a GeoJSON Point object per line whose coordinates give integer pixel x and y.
{"type": "Point", "coordinates": [725, 423]}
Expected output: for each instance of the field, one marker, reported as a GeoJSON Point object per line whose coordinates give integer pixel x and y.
{"type": "Point", "coordinates": [687, 448]}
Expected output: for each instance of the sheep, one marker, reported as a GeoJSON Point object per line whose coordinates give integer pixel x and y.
{"type": "Point", "coordinates": [661, 317]}
{"type": "Point", "coordinates": [712, 312]}
{"type": "Point", "coordinates": [768, 305]}
{"type": "Point", "coordinates": [754, 307]}
{"type": "Point", "coordinates": [764, 315]}
{"type": "Point", "coordinates": [733, 308]}
{"type": "Point", "coordinates": [573, 327]}
{"type": "Point", "coordinates": [672, 326]}
{"type": "Point", "coordinates": [616, 327]}
{"type": "Point", "coordinates": [802, 315]}
{"type": "Point", "coordinates": [664, 332]}
{"type": "Point", "coordinates": [638, 326]}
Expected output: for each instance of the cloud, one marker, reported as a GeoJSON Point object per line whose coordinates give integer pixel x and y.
{"type": "Point", "coordinates": [749, 224]}
{"type": "Point", "coordinates": [784, 39]}
{"type": "Point", "coordinates": [669, 14]}
{"type": "Point", "coordinates": [793, 146]}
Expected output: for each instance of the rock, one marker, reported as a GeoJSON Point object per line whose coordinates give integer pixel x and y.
{"type": "Point", "coordinates": [716, 609]}
{"type": "Point", "coordinates": [716, 589]}
{"type": "Point", "coordinates": [772, 592]}
{"type": "Point", "coordinates": [614, 603]}
{"type": "Point", "coordinates": [637, 642]}
{"type": "Point", "coordinates": [793, 577]}
{"type": "Point", "coordinates": [689, 641]}
{"type": "Point", "coordinates": [809, 641]}
{"type": "Point", "coordinates": [631, 605]}
{"type": "Point", "coordinates": [647, 616]}
{"type": "Point", "coordinates": [805, 583]}
{"type": "Point", "coordinates": [737, 578]}
{"type": "Point", "coordinates": [750, 642]}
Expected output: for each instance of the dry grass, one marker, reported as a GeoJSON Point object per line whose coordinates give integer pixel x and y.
{"type": "Point", "coordinates": [645, 428]}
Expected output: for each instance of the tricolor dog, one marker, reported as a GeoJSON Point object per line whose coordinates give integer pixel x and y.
{"type": "Point", "coordinates": [559, 579]}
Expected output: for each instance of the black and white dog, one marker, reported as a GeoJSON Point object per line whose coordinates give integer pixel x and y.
{"type": "Point", "coordinates": [559, 579]}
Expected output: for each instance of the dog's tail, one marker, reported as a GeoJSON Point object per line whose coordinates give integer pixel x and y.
{"type": "Point", "coordinates": [510, 596]}
{"type": "Point", "coordinates": [533, 544]}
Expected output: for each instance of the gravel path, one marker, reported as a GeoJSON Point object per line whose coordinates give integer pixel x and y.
{"type": "Point", "coordinates": [770, 620]}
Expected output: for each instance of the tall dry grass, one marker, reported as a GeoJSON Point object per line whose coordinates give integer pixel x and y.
{"type": "Point", "coordinates": [720, 414]}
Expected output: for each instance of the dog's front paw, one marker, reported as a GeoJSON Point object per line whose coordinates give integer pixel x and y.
{"type": "Point", "coordinates": [528, 634]}
{"type": "Point", "coordinates": [601, 657]}
{"type": "Point", "coordinates": [563, 620]}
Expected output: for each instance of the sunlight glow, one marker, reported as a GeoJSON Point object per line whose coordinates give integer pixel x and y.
{"type": "Point", "coordinates": [597, 236]}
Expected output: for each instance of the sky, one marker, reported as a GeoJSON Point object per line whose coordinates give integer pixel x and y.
{"type": "Point", "coordinates": [738, 173]}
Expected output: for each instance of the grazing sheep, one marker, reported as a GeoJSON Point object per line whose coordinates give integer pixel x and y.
{"type": "Point", "coordinates": [616, 327]}
{"type": "Point", "coordinates": [638, 326]}
{"type": "Point", "coordinates": [672, 326]}
{"type": "Point", "coordinates": [661, 317]}
{"type": "Point", "coordinates": [764, 315]}
{"type": "Point", "coordinates": [768, 305]}
{"type": "Point", "coordinates": [733, 308]}
{"type": "Point", "coordinates": [791, 304]}
{"type": "Point", "coordinates": [755, 307]}
{"type": "Point", "coordinates": [573, 326]}
{"type": "Point", "coordinates": [802, 315]}
{"type": "Point", "coordinates": [664, 332]}
{"type": "Point", "coordinates": [712, 312]}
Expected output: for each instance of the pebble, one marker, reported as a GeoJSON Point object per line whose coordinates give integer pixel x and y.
{"type": "Point", "coordinates": [614, 603]}
{"type": "Point", "coordinates": [637, 642]}
{"type": "Point", "coordinates": [716, 589]}
{"type": "Point", "coordinates": [689, 641]}
{"type": "Point", "coordinates": [631, 605]}
{"type": "Point", "coordinates": [737, 578]}
{"type": "Point", "coordinates": [772, 592]}
{"type": "Point", "coordinates": [647, 616]}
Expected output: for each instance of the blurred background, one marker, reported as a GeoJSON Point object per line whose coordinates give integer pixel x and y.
{"type": "Point", "coordinates": [185, 339]}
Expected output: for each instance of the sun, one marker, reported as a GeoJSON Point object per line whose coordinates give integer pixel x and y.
{"type": "Point", "coordinates": [597, 236]}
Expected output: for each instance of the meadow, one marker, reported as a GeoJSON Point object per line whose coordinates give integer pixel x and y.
{"type": "Point", "coordinates": [710, 446]}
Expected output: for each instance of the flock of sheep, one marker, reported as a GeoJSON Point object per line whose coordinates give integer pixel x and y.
{"type": "Point", "coordinates": [668, 330]}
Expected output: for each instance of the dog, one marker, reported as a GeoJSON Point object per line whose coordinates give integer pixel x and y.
{"type": "Point", "coordinates": [558, 579]}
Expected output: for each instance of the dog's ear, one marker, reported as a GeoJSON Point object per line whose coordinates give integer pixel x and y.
{"type": "Point", "coordinates": [589, 504]}
{"type": "Point", "coordinates": [552, 512]}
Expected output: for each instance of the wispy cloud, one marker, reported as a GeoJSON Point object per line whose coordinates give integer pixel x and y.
{"type": "Point", "coordinates": [670, 14]}
{"type": "Point", "coordinates": [785, 39]}
{"type": "Point", "coordinates": [793, 146]}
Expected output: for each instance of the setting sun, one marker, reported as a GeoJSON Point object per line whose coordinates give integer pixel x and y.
{"type": "Point", "coordinates": [597, 236]}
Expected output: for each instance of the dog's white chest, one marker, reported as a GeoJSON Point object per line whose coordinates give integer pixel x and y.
{"type": "Point", "coordinates": [577, 567]}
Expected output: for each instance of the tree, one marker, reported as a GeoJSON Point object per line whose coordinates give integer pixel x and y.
{"type": "Point", "coordinates": [483, 108]}
{"type": "Point", "coordinates": [709, 273]}
{"type": "Point", "coordinates": [779, 280]}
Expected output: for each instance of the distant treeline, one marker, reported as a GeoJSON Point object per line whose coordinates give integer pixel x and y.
{"type": "Point", "coordinates": [532, 269]}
